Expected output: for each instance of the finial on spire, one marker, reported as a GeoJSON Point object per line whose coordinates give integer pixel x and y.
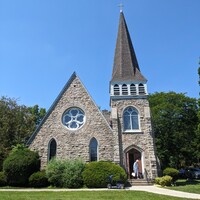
{"type": "Point", "coordinates": [121, 7]}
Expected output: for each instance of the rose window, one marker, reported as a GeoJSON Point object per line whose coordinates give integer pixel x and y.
{"type": "Point", "coordinates": [73, 118]}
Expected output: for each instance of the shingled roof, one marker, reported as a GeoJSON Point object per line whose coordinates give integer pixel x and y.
{"type": "Point", "coordinates": [125, 66]}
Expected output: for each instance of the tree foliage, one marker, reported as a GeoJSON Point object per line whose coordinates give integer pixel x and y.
{"type": "Point", "coordinates": [198, 128]}
{"type": "Point", "coordinates": [17, 122]}
{"type": "Point", "coordinates": [174, 118]}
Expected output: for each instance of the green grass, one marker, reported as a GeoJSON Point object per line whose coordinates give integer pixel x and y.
{"type": "Point", "coordinates": [182, 185]}
{"type": "Point", "coordinates": [84, 195]}
{"type": "Point", "coordinates": [187, 186]}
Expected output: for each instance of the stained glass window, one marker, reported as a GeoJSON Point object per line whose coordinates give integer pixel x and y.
{"type": "Point", "coordinates": [73, 118]}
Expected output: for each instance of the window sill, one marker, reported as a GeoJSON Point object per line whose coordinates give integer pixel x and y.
{"type": "Point", "coordinates": [133, 132]}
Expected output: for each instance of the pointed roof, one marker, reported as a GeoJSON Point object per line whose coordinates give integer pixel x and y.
{"type": "Point", "coordinates": [125, 66]}
{"type": "Point", "coordinates": [73, 76]}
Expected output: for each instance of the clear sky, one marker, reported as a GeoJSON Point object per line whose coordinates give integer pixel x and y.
{"type": "Point", "coordinates": [42, 42]}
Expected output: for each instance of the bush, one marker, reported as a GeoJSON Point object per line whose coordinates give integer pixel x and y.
{"type": "Point", "coordinates": [96, 174]}
{"type": "Point", "coordinates": [171, 172]}
{"type": "Point", "coordinates": [165, 181]}
{"type": "Point", "coordinates": [38, 180]}
{"type": "Point", "coordinates": [65, 173]}
{"type": "Point", "coordinates": [157, 180]}
{"type": "Point", "coordinates": [19, 165]}
{"type": "Point", "coordinates": [2, 179]}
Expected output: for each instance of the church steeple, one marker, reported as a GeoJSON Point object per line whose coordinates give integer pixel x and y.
{"type": "Point", "coordinates": [125, 66]}
{"type": "Point", "coordinates": [126, 69]}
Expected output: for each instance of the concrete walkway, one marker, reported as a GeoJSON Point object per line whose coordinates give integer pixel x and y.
{"type": "Point", "coordinates": [152, 189]}
{"type": "Point", "coordinates": [159, 190]}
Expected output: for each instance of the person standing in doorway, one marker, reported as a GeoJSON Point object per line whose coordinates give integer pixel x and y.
{"type": "Point", "coordinates": [136, 168]}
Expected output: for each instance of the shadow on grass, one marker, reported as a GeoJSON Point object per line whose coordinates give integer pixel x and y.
{"type": "Point", "coordinates": [187, 182]}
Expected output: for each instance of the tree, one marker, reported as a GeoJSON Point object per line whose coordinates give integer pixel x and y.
{"type": "Point", "coordinates": [17, 122]}
{"type": "Point", "coordinates": [198, 128]}
{"type": "Point", "coordinates": [174, 118]}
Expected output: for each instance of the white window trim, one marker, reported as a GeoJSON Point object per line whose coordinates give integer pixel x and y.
{"type": "Point", "coordinates": [139, 126]}
{"type": "Point", "coordinates": [112, 93]}
{"type": "Point", "coordinates": [73, 119]}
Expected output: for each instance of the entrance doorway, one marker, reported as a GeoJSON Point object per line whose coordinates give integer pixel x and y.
{"type": "Point", "coordinates": [131, 156]}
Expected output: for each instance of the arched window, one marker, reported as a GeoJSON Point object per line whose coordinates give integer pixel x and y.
{"type": "Point", "coordinates": [131, 119]}
{"type": "Point", "coordinates": [124, 89]}
{"type": "Point", "coordinates": [133, 89]}
{"type": "Point", "coordinates": [93, 150]}
{"type": "Point", "coordinates": [141, 89]}
{"type": "Point", "coordinates": [116, 89]}
{"type": "Point", "coordinates": [52, 149]}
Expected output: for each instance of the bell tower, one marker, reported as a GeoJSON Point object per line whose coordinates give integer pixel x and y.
{"type": "Point", "coordinates": [130, 112]}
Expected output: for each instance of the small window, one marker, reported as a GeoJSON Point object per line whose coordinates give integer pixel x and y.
{"type": "Point", "coordinates": [93, 150]}
{"type": "Point", "coordinates": [141, 89]}
{"type": "Point", "coordinates": [52, 149]}
{"type": "Point", "coordinates": [133, 89]}
{"type": "Point", "coordinates": [130, 119]}
{"type": "Point", "coordinates": [124, 89]}
{"type": "Point", "coordinates": [116, 89]}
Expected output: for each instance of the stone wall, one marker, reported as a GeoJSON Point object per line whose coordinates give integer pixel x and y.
{"type": "Point", "coordinates": [143, 140]}
{"type": "Point", "coordinates": [74, 144]}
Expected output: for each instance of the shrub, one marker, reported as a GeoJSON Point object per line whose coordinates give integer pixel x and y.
{"type": "Point", "coordinates": [38, 180]}
{"type": "Point", "coordinates": [165, 181]}
{"type": "Point", "coordinates": [65, 173]}
{"type": "Point", "coordinates": [19, 165]}
{"type": "Point", "coordinates": [2, 179]}
{"type": "Point", "coordinates": [157, 180]}
{"type": "Point", "coordinates": [171, 172]}
{"type": "Point", "coordinates": [96, 174]}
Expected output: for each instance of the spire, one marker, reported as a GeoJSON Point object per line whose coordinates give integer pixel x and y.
{"type": "Point", "coordinates": [125, 66]}
{"type": "Point", "coordinates": [121, 7]}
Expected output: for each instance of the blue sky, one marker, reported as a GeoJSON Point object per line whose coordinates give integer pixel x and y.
{"type": "Point", "coordinates": [42, 42]}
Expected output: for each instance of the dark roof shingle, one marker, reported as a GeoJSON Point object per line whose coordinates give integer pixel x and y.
{"type": "Point", "coordinates": [125, 66]}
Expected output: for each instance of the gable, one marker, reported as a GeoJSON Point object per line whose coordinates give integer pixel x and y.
{"type": "Point", "coordinates": [73, 95]}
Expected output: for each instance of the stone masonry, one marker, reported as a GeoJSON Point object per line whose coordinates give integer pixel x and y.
{"type": "Point", "coordinates": [74, 144]}
{"type": "Point", "coordinates": [142, 141]}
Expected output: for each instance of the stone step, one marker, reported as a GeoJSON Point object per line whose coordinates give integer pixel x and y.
{"type": "Point", "coordinates": [139, 182]}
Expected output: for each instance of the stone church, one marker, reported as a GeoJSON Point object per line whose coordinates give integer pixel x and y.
{"type": "Point", "coordinates": [74, 127]}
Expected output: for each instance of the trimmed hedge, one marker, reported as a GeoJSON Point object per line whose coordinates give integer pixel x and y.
{"type": "Point", "coordinates": [38, 180]}
{"type": "Point", "coordinates": [171, 172]}
{"type": "Point", "coordinates": [19, 165]}
{"type": "Point", "coordinates": [96, 174]}
{"type": "Point", "coordinates": [65, 173]}
{"type": "Point", "coordinates": [164, 181]}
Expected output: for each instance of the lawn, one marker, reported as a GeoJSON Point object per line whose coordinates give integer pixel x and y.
{"type": "Point", "coordinates": [182, 185]}
{"type": "Point", "coordinates": [87, 195]}
{"type": "Point", "coordinates": [192, 186]}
